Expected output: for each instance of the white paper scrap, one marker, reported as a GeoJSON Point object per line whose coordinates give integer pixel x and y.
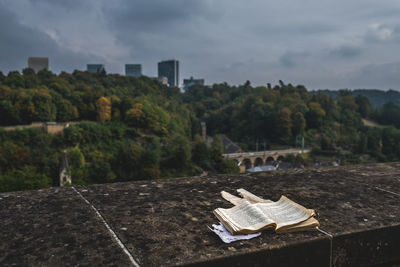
{"type": "Point", "coordinates": [227, 237]}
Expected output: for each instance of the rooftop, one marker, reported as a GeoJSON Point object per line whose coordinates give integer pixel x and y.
{"type": "Point", "coordinates": [163, 222]}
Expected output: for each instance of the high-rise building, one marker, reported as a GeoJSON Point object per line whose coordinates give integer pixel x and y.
{"type": "Point", "coordinates": [169, 69]}
{"type": "Point", "coordinates": [134, 70]}
{"type": "Point", "coordinates": [38, 63]}
{"type": "Point", "coordinates": [96, 68]}
{"type": "Point", "coordinates": [190, 82]}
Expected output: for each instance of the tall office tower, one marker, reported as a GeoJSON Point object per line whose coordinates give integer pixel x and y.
{"type": "Point", "coordinates": [38, 63]}
{"type": "Point", "coordinates": [96, 68]}
{"type": "Point", "coordinates": [134, 70]}
{"type": "Point", "coordinates": [169, 69]}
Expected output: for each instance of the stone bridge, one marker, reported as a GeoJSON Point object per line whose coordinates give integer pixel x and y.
{"type": "Point", "coordinates": [252, 159]}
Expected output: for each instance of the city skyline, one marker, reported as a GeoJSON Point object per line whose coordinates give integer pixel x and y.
{"type": "Point", "coordinates": [326, 44]}
{"type": "Point", "coordinates": [167, 69]}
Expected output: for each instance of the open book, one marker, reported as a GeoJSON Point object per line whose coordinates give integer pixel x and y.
{"type": "Point", "coordinates": [253, 214]}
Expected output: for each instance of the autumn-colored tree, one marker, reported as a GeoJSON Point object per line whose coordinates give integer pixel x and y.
{"type": "Point", "coordinates": [134, 116]}
{"type": "Point", "coordinates": [5, 92]}
{"type": "Point", "coordinates": [103, 105]}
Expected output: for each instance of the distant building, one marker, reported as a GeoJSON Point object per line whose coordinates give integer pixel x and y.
{"type": "Point", "coordinates": [163, 80]}
{"type": "Point", "coordinates": [134, 70]}
{"type": "Point", "coordinates": [38, 63]}
{"type": "Point", "coordinates": [169, 69]}
{"type": "Point", "coordinates": [95, 68]}
{"type": "Point", "coordinates": [190, 82]}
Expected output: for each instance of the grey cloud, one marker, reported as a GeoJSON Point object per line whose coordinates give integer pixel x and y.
{"type": "Point", "coordinates": [66, 4]}
{"type": "Point", "coordinates": [346, 52]}
{"type": "Point", "coordinates": [384, 76]}
{"type": "Point", "coordinates": [157, 29]}
{"type": "Point", "coordinates": [156, 15]}
{"type": "Point", "coordinates": [382, 33]}
{"type": "Point", "coordinates": [292, 59]}
{"type": "Point", "coordinates": [303, 28]}
{"type": "Point", "coordinates": [21, 42]}
{"type": "Point", "coordinates": [219, 40]}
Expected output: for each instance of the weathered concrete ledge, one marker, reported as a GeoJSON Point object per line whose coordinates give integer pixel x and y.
{"type": "Point", "coordinates": [163, 222]}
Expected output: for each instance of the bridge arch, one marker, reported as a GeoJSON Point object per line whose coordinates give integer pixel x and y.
{"type": "Point", "coordinates": [246, 160]}
{"type": "Point", "coordinates": [247, 163]}
{"type": "Point", "coordinates": [258, 162]}
{"type": "Point", "coordinates": [270, 159]}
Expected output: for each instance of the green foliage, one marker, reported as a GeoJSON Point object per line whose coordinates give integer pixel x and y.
{"type": "Point", "coordinates": [25, 179]}
{"type": "Point", "coordinates": [364, 106]}
{"type": "Point", "coordinates": [377, 98]}
{"type": "Point", "coordinates": [299, 124]}
{"type": "Point", "coordinates": [389, 115]}
{"type": "Point", "coordinates": [134, 128]}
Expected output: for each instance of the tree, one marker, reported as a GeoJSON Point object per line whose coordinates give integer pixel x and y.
{"type": "Point", "coordinates": [31, 79]}
{"type": "Point", "coordinates": [100, 167]}
{"type": "Point", "coordinates": [26, 179]}
{"type": "Point", "coordinates": [5, 92]}
{"type": "Point", "coordinates": [200, 154]}
{"type": "Point", "coordinates": [347, 102]}
{"type": "Point", "coordinates": [103, 106]}
{"type": "Point", "coordinates": [135, 116]}
{"type": "Point", "coordinates": [299, 123]}
{"type": "Point", "coordinates": [315, 115]}
{"type": "Point", "coordinates": [66, 111]}
{"type": "Point", "coordinates": [327, 104]}
{"type": "Point", "coordinates": [177, 153]}
{"type": "Point", "coordinates": [364, 106]}
{"type": "Point", "coordinates": [42, 101]}
{"type": "Point", "coordinates": [128, 164]}
{"type": "Point", "coordinates": [115, 110]}
{"type": "Point", "coordinates": [15, 80]}
{"type": "Point", "coordinates": [2, 77]}
{"type": "Point", "coordinates": [9, 114]}
{"type": "Point", "coordinates": [390, 114]}
{"type": "Point", "coordinates": [76, 158]}
{"type": "Point", "coordinates": [283, 124]}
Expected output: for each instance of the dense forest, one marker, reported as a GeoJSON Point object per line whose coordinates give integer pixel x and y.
{"type": "Point", "coordinates": [377, 98]}
{"type": "Point", "coordinates": [135, 128]}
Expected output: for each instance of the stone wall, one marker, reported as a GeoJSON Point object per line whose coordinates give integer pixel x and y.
{"type": "Point", "coordinates": [164, 222]}
{"type": "Point", "coordinates": [48, 127]}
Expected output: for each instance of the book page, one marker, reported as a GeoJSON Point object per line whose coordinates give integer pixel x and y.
{"type": "Point", "coordinates": [244, 218]}
{"type": "Point", "coordinates": [284, 212]}
{"type": "Point", "coordinates": [251, 197]}
{"type": "Point", "coordinates": [232, 199]}
{"type": "Point", "coordinates": [311, 224]}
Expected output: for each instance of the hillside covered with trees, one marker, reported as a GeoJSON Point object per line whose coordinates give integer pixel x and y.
{"type": "Point", "coordinates": [135, 128]}
{"type": "Point", "coordinates": [377, 98]}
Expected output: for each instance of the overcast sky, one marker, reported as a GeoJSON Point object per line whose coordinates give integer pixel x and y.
{"type": "Point", "coordinates": [317, 43]}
